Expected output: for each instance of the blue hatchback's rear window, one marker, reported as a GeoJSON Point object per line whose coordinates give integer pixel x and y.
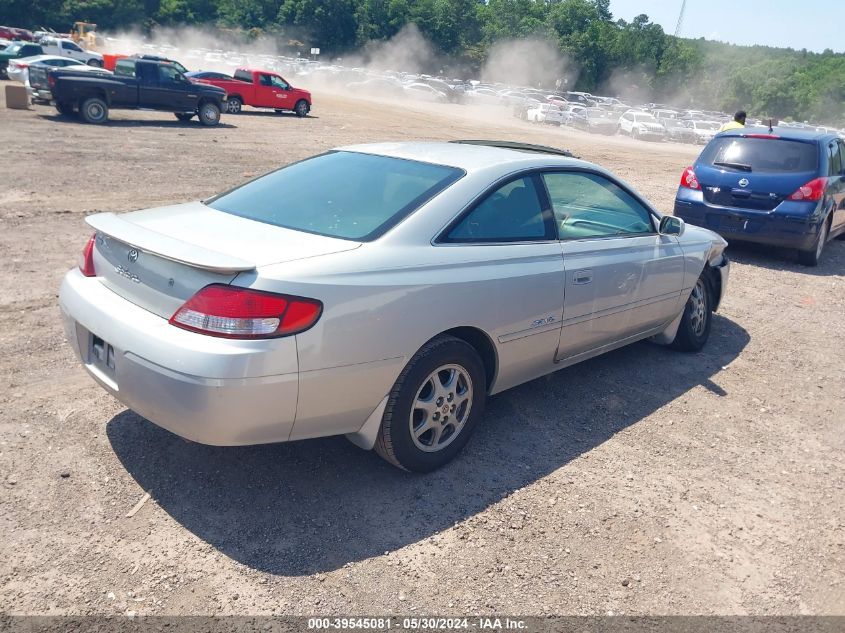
{"type": "Point", "coordinates": [340, 194]}
{"type": "Point", "coordinates": [763, 155]}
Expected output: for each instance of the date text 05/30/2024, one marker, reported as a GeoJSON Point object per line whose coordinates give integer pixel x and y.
{"type": "Point", "coordinates": [417, 624]}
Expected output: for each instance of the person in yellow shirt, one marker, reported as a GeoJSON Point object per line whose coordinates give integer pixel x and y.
{"type": "Point", "coordinates": [737, 123]}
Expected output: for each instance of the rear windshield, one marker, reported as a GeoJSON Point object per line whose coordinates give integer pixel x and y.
{"type": "Point", "coordinates": [340, 194]}
{"type": "Point", "coordinates": [763, 155]}
{"type": "Point", "coordinates": [125, 67]}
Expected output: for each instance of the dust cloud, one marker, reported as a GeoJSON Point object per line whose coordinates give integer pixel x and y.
{"type": "Point", "coordinates": [531, 62]}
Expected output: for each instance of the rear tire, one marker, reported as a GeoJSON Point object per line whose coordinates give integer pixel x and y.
{"type": "Point", "coordinates": [94, 110]}
{"type": "Point", "coordinates": [697, 319]}
{"type": "Point", "coordinates": [811, 257]}
{"type": "Point", "coordinates": [209, 114]}
{"type": "Point", "coordinates": [301, 108]}
{"type": "Point", "coordinates": [434, 406]}
{"type": "Point", "coordinates": [234, 105]}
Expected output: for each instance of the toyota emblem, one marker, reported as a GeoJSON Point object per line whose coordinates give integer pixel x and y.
{"type": "Point", "coordinates": [743, 182]}
{"type": "Point", "coordinates": [132, 256]}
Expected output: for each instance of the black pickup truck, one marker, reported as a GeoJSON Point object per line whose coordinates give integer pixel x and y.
{"type": "Point", "coordinates": [136, 84]}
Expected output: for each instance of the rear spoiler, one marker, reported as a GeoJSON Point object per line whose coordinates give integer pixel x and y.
{"type": "Point", "coordinates": [150, 241]}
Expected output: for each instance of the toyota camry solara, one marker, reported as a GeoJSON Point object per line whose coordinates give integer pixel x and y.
{"type": "Point", "coordinates": [381, 291]}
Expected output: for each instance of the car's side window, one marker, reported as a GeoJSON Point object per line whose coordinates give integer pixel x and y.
{"type": "Point", "coordinates": [834, 149]}
{"type": "Point", "coordinates": [278, 83]}
{"type": "Point", "coordinates": [168, 74]}
{"type": "Point", "coordinates": [587, 205]}
{"type": "Point", "coordinates": [511, 213]}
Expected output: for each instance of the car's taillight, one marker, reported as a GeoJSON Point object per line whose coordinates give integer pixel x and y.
{"type": "Point", "coordinates": [51, 80]}
{"type": "Point", "coordinates": [234, 312]}
{"type": "Point", "coordinates": [86, 260]}
{"type": "Point", "coordinates": [811, 192]}
{"type": "Point", "coordinates": [689, 179]}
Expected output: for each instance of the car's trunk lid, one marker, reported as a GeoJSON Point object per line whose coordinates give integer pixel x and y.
{"type": "Point", "coordinates": [749, 190]}
{"type": "Point", "coordinates": [159, 258]}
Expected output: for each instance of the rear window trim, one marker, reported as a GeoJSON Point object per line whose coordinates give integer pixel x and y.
{"type": "Point", "coordinates": [392, 222]}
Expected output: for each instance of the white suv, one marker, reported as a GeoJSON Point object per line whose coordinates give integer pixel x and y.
{"type": "Point", "coordinates": [544, 113]}
{"type": "Point", "coordinates": [69, 48]}
{"type": "Point", "coordinates": [639, 124]}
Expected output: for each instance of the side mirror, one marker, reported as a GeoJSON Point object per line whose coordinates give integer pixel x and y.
{"type": "Point", "coordinates": [670, 225]}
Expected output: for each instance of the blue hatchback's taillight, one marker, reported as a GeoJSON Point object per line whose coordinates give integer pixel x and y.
{"type": "Point", "coordinates": [689, 179]}
{"type": "Point", "coordinates": [810, 192]}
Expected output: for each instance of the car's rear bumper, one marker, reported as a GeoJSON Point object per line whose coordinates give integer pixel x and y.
{"type": "Point", "coordinates": [206, 389]}
{"type": "Point", "coordinates": [734, 224]}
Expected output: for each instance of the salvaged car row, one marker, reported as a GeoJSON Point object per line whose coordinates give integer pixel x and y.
{"type": "Point", "coordinates": [580, 110]}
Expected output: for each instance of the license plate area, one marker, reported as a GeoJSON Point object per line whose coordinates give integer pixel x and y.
{"type": "Point", "coordinates": [101, 354]}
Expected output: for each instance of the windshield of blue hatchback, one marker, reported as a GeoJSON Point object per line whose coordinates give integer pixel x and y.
{"type": "Point", "coordinates": [348, 195]}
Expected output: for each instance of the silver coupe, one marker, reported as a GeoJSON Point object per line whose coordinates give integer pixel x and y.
{"type": "Point", "coordinates": [381, 291]}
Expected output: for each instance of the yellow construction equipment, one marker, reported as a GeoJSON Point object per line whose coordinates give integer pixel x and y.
{"type": "Point", "coordinates": [84, 34]}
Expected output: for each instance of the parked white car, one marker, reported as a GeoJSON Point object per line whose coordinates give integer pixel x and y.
{"type": "Point", "coordinates": [18, 69]}
{"type": "Point", "coordinates": [424, 92]}
{"type": "Point", "coordinates": [704, 130]}
{"type": "Point", "coordinates": [639, 124]}
{"type": "Point", "coordinates": [385, 295]}
{"type": "Point", "coordinates": [544, 113]}
{"type": "Point", "coordinates": [69, 48]}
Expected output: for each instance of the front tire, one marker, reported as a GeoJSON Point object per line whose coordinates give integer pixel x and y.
{"type": "Point", "coordinates": [697, 319]}
{"type": "Point", "coordinates": [94, 110]}
{"type": "Point", "coordinates": [301, 108]}
{"type": "Point", "coordinates": [184, 116]}
{"type": "Point", "coordinates": [434, 406]}
{"type": "Point", "coordinates": [209, 114]}
{"type": "Point", "coordinates": [64, 108]}
{"type": "Point", "coordinates": [96, 63]}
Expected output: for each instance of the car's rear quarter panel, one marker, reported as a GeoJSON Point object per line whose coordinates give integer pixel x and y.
{"type": "Point", "coordinates": [382, 304]}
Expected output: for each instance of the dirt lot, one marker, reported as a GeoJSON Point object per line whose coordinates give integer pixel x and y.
{"type": "Point", "coordinates": [642, 482]}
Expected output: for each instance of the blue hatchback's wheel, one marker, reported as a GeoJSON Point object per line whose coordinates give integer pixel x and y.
{"type": "Point", "coordinates": [811, 257]}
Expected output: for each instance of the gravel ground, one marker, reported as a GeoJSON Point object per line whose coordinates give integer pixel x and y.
{"type": "Point", "coordinates": [641, 482]}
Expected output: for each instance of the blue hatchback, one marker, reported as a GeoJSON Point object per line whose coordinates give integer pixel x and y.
{"type": "Point", "coordinates": [784, 187]}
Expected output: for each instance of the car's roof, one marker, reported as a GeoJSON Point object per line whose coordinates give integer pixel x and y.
{"type": "Point", "coordinates": [786, 133]}
{"type": "Point", "coordinates": [42, 58]}
{"type": "Point", "coordinates": [466, 156]}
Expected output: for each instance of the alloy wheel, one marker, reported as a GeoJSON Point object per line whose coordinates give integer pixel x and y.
{"type": "Point", "coordinates": [441, 408]}
{"type": "Point", "coordinates": [698, 308]}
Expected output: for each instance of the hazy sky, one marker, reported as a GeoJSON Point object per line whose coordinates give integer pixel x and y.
{"type": "Point", "coordinates": [811, 24]}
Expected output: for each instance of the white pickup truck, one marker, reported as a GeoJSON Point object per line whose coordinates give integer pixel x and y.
{"type": "Point", "coordinates": [69, 48]}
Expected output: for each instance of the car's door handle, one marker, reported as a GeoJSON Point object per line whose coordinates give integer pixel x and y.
{"type": "Point", "coordinates": [582, 276]}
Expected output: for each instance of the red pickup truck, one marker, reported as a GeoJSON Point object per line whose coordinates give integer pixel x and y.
{"type": "Point", "coordinates": [261, 89]}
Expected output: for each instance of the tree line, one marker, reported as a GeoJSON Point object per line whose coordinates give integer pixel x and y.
{"type": "Point", "coordinates": [633, 59]}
